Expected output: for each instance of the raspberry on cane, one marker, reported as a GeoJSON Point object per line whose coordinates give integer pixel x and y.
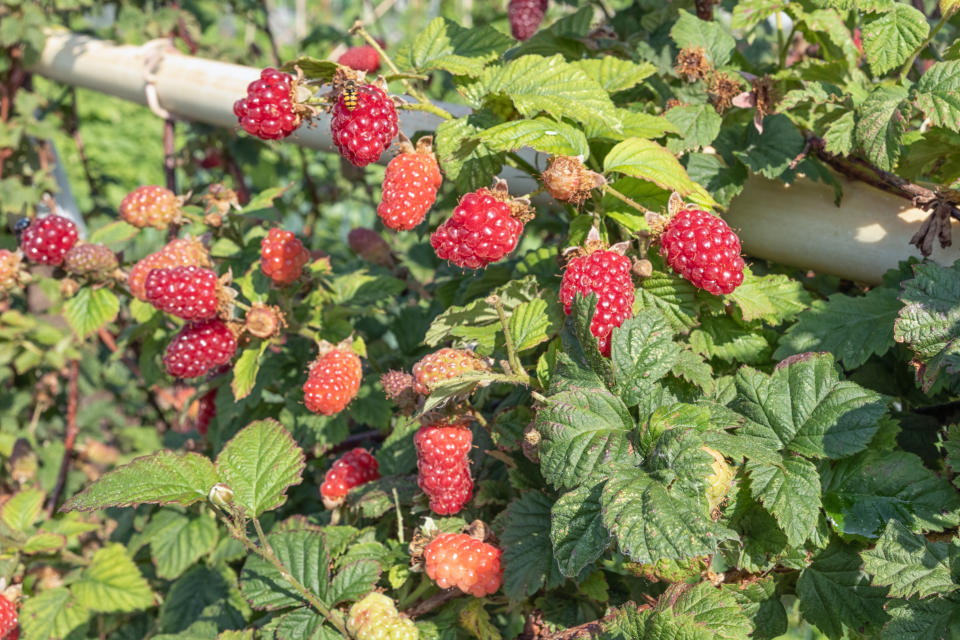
{"type": "Point", "coordinates": [483, 228]}
{"type": "Point", "coordinates": [362, 133]}
{"type": "Point", "coordinates": [179, 252]}
{"type": "Point", "coordinates": [443, 365]}
{"type": "Point", "coordinates": [443, 465]}
{"type": "Point", "coordinates": [458, 560]}
{"type": "Point", "coordinates": [363, 58]}
{"type": "Point", "coordinates": [333, 380]}
{"type": "Point", "coordinates": [8, 620]}
{"type": "Point", "coordinates": [191, 293]}
{"type": "Point", "coordinates": [282, 256]}
{"type": "Point", "coordinates": [525, 17]}
{"type": "Point", "coordinates": [270, 110]}
{"type": "Point", "coordinates": [199, 347]}
{"type": "Point", "coordinates": [410, 186]}
{"type": "Point", "coordinates": [94, 260]}
{"type": "Point", "coordinates": [704, 250]}
{"type": "Point", "coordinates": [607, 274]}
{"type": "Point", "coordinates": [375, 617]}
{"type": "Point", "coordinates": [150, 206]}
{"type": "Point", "coordinates": [354, 468]}
{"type": "Point", "coordinates": [46, 240]}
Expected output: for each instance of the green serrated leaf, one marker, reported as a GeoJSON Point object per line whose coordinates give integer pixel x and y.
{"type": "Point", "coordinates": [642, 351]}
{"type": "Point", "coordinates": [750, 13]}
{"type": "Point", "coordinates": [164, 477]}
{"type": "Point", "coordinates": [313, 68]}
{"type": "Point", "coordinates": [542, 134]}
{"type": "Point", "coordinates": [880, 124]}
{"type": "Point", "coordinates": [203, 595]}
{"type": "Point", "coordinates": [443, 44]}
{"type": "Point", "coordinates": [729, 340]}
{"type": "Point", "coordinates": [112, 583]}
{"type": "Point", "coordinates": [44, 542]}
{"type": "Point", "coordinates": [673, 296]}
{"type": "Point", "coordinates": [354, 580]}
{"type": "Point", "coordinates": [178, 540]}
{"type": "Point", "coordinates": [699, 125]}
{"type": "Point", "coordinates": [259, 464]}
{"type": "Point", "coordinates": [771, 298]}
{"type": "Point", "coordinates": [910, 564]}
{"type": "Point", "coordinates": [791, 492]}
{"type": "Point", "coordinates": [577, 531]}
{"type": "Point", "coordinates": [648, 160]}
{"type": "Point", "coordinates": [114, 234]}
{"type": "Point", "coordinates": [304, 554]}
{"type": "Point", "coordinates": [851, 328]}
{"type": "Point", "coordinates": [715, 610]}
{"type": "Point", "coordinates": [245, 370]}
{"type": "Point", "coordinates": [54, 614]}
{"type": "Point", "coordinates": [770, 153]}
{"type": "Point", "coordinates": [615, 74]}
{"type": "Point", "coordinates": [938, 94]}
{"type": "Point", "coordinates": [528, 559]}
{"type": "Point", "coordinates": [890, 37]}
{"type": "Point", "coordinates": [534, 322]}
{"type": "Point", "coordinates": [930, 619]}
{"type": "Point", "coordinates": [305, 624]}
{"type": "Point", "coordinates": [463, 158]}
{"type": "Point", "coordinates": [476, 620]}
{"type": "Point", "coordinates": [90, 308]}
{"type": "Point", "coordinates": [650, 522]}
{"type": "Point", "coordinates": [22, 509]}
{"type": "Point", "coordinates": [691, 31]}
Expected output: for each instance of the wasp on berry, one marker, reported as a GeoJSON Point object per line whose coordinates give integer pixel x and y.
{"type": "Point", "coordinates": [350, 95]}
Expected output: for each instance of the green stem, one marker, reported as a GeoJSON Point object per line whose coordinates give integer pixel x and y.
{"type": "Point", "coordinates": [786, 46]}
{"type": "Point", "coordinates": [428, 107]}
{"type": "Point", "coordinates": [515, 366]}
{"type": "Point", "coordinates": [913, 56]}
{"type": "Point", "coordinates": [780, 46]}
{"type": "Point", "coordinates": [616, 194]}
{"type": "Point", "coordinates": [523, 165]}
{"type": "Point", "coordinates": [396, 504]}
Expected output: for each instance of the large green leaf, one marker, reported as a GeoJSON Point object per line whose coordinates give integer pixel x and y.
{"type": "Point", "coordinates": [643, 351]}
{"type": "Point", "coordinates": [791, 492]}
{"type": "Point", "coordinates": [911, 565]}
{"type": "Point", "coordinates": [771, 298]}
{"type": "Point", "coordinates": [615, 74]}
{"type": "Point", "coordinates": [542, 134]}
{"type": "Point", "coordinates": [584, 436]}
{"type": "Point", "coordinates": [647, 160]}
{"type": "Point", "coordinates": [930, 619]}
{"type": "Point", "coordinates": [938, 94]}
{"type": "Point", "coordinates": [444, 44]}
{"type": "Point", "coordinates": [650, 522]}
{"type": "Point", "coordinates": [465, 160]}
{"type": "Point", "coordinates": [203, 595]}
{"type": "Point", "coordinates": [54, 614]}
{"type": "Point", "coordinates": [690, 31]}
{"type": "Point", "coordinates": [862, 493]}
{"type": "Point", "coordinates": [880, 124]}
{"type": "Point", "coordinates": [890, 37]}
{"type": "Point", "coordinates": [259, 464]}
{"type": "Point", "coordinates": [805, 408]}
{"type": "Point", "coordinates": [304, 555]}
{"type": "Point", "coordinates": [771, 151]}
{"type": "Point", "coordinates": [112, 583]}
{"type": "Point", "coordinates": [930, 321]}
{"type": "Point", "coordinates": [164, 477]}
{"type": "Point", "coordinates": [354, 580]}
{"type": "Point", "coordinates": [305, 624]}
{"type": "Point", "coordinates": [699, 125]}
{"type": "Point", "coordinates": [576, 529]}
{"type": "Point", "coordinates": [835, 593]}
{"type": "Point", "coordinates": [528, 559]}
{"type": "Point", "coordinates": [91, 308]}
{"type": "Point", "coordinates": [178, 540]}
{"type": "Point", "coordinates": [673, 296]}
{"type": "Point", "coordinates": [22, 509]}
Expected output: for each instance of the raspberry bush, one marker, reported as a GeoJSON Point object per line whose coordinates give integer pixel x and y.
{"type": "Point", "coordinates": [500, 359]}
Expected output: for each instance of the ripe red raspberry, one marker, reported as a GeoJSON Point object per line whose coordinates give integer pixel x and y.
{"type": "Point", "coordinates": [363, 58]}
{"type": "Point", "coordinates": [93, 260]}
{"type": "Point", "coordinates": [179, 252]}
{"type": "Point", "coordinates": [481, 230]}
{"type": "Point", "coordinates": [704, 250]}
{"type": "Point", "coordinates": [363, 133]}
{"type": "Point", "coordinates": [282, 256]}
{"type": "Point", "coordinates": [457, 560]}
{"type": "Point", "coordinates": [525, 17]}
{"type": "Point", "coordinates": [199, 347]}
{"type": "Point", "coordinates": [9, 268]}
{"type": "Point", "coordinates": [353, 469]}
{"type": "Point", "coordinates": [443, 465]}
{"type": "Point", "coordinates": [269, 111]}
{"type": "Point", "coordinates": [206, 411]}
{"type": "Point", "coordinates": [607, 274]}
{"type": "Point", "coordinates": [48, 239]}
{"type": "Point", "coordinates": [8, 620]}
{"type": "Point", "coordinates": [333, 380]}
{"type": "Point", "coordinates": [442, 365]}
{"type": "Point", "coordinates": [375, 617]}
{"type": "Point", "coordinates": [191, 293]}
{"type": "Point", "coordinates": [409, 188]}
{"type": "Point", "coordinates": [150, 206]}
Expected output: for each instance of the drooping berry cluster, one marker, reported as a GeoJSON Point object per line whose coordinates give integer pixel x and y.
{"type": "Point", "coordinates": [443, 465]}
{"type": "Point", "coordinates": [269, 110]}
{"type": "Point", "coordinates": [354, 468]}
{"type": "Point", "coordinates": [282, 256]}
{"type": "Point", "coordinates": [9, 267]}
{"type": "Point", "coordinates": [458, 560]}
{"type": "Point", "coordinates": [410, 186]}
{"type": "Point", "coordinates": [94, 260]}
{"type": "Point", "coordinates": [9, 629]}
{"type": "Point", "coordinates": [46, 240]}
{"type": "Point", "coordinates": [363, 58]}
{"type": "Point", "coordinates": [443, 365]}
{"type": "Point", "coordinates": [333, 380]}
{"type": "Point", "coordinates": [150, 206]}
{"type": "Point", "coordinates": [362, 133]}
{"type": "Point", "coordinates": [525, 17]}
{"type": "Point", "coordinates": [704, 250]}
{"type": "Point", "coordinates": [199, 347]}
{"type": "Point", "coordinates": [607, 274]}
{"type": "Point", "coordinates": [481, 230]}
{"type": "Point", "coordinates": [191, 293]}
{"type": "Point", "coordinates": [179, 252]}
{"type": "Point", "coordinates": [375, 617]}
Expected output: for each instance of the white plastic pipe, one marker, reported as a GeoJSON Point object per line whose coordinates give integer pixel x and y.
{"type": "Point", "coordinates": [796, 225]}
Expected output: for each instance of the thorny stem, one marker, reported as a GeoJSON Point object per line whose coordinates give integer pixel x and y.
{"type": "Point", "coordinates": [923, 45]}
{"type": "Point", "coordinates": [516, 368]}
{"type": "Point", "coordinates": [616, 194]}
{"type": "Point", "coordinates": [266, 552]}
